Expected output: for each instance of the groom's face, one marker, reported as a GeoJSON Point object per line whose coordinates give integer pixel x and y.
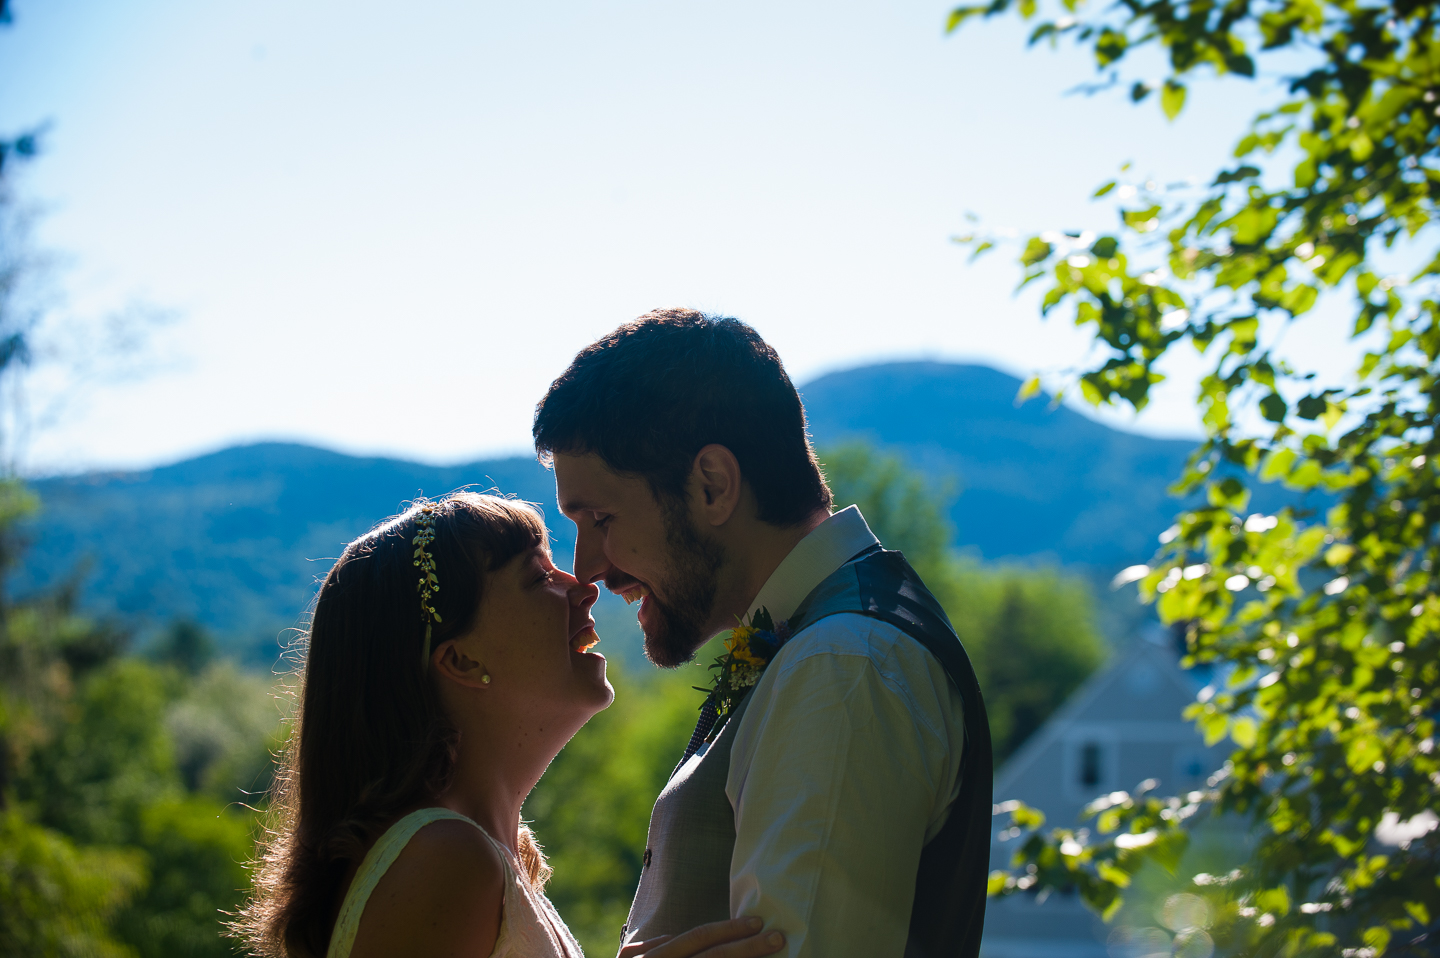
{"type": "Point", "coordinates": [644, 550]}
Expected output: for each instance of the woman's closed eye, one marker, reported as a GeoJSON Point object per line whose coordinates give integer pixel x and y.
{"type": "Point", "coordinates": [542, 570]}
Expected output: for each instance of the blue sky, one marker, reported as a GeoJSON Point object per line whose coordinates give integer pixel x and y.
{"type": "Point", "coordinates": [385, 228]}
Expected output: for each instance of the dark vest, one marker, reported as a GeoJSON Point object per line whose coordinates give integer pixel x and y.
{"type": "Point", "coordinates": [685, 880]}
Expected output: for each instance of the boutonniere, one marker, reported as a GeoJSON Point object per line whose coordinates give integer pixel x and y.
{"type": "Point", "coordinates": [748, 649]}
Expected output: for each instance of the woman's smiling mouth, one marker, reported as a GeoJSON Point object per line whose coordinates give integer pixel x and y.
{"type": "Point", "coordinates": [586, 639]}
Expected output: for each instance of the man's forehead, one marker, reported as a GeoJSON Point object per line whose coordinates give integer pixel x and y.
{"type": "Point", "coordinates": [583, 482]}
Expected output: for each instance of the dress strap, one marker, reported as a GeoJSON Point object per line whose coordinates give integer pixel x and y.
{"type": "Point", "coordinates": [378, 861]}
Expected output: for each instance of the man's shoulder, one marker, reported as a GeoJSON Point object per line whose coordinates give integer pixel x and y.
{"type": "Point", "coordinates": [855, 636]}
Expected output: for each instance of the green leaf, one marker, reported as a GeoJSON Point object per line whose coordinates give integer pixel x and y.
{"type": "Point", "coordinates": [1229, 493]}
{"type": "Point", "coordinates": [1306, 475]}
{"type": "Point", "coordinates": [1110, 46]}
{"type": "Point", "coordinates": [1027, 389]}
{"type": "Point", "coordinates": [1332, 415]}
{"type": "Point", "coordinates": [1240, 64]}
{"type": "Point", "coordinates": [1172, 98]}
{"type": "Point", "coordinates": [1243, 731]}
{"type": "Point", "coordinates": [1376, 937]}
{"type": "Point", "coordinates": [1273, 408]}
{"type": "Point", "coordinates": [1103, 190]}
{"type": "Point", "coordinates": [1275, 900]}
{"type": "Point", "coordinates": [1115, 876]}
{"type": "Point", "coordinates": [1311, 407]}
{"type": "Point", "coordinates": [1036, 251]}
{"type": "Point", "coordinates": [960, 14]}
{"type": "Point", "coordinates": [1027, 817]}
{"type": "Point", "coordinates": [1169, 849]}
{"type": "Point", "coordinates": [1236, 175]}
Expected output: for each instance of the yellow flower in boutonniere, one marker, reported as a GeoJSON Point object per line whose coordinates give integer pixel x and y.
{"type": "Point", "coordinates": [738, 645]}
{"type": "Point", "coordinates": [748, 650]}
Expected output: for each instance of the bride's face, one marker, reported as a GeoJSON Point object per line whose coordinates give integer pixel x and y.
{"type": "Point", "coordinates": [532, 636]}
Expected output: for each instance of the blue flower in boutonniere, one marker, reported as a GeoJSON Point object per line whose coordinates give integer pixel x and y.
{"type": "Point", "coordinates": [748, 650]}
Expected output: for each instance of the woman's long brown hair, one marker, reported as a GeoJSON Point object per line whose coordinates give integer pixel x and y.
{"type": "Point", "coordinates": [370, 738]}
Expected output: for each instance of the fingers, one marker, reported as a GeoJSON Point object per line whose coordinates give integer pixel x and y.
{"type": "Point", "coordinates": [637, 949]}
{"type": "Point", "coordinates": [736, 938]}
{"type": "Point", "coordinates": [752, 947]}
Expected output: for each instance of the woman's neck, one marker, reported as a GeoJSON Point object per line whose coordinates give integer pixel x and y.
{"type": "Point", "coordinates": [495, 769]}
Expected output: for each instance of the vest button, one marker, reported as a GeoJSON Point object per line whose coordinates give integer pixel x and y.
{"type": "Point", "coordinates": [645, 862]}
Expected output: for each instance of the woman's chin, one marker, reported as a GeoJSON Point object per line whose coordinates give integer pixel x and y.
{"type": "Point", "coordinates": [592, 665]}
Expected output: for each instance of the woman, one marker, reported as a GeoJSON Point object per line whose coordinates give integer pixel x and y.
{"type": "Point", "coordinates": [447, 664]}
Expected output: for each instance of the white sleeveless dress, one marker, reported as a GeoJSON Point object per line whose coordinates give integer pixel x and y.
{"type": "Point", "coordinates": [529, 926]}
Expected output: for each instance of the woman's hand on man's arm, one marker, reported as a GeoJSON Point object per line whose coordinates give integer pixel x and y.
{"type": "Point", "coordinates": [736, 938]}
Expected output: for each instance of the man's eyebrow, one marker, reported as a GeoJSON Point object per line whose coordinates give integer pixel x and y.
{"type": "Point", "coordinates": [578, 505]}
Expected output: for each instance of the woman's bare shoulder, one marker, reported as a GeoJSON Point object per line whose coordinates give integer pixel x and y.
{"type": "Point", "coordinates": [443, 895]}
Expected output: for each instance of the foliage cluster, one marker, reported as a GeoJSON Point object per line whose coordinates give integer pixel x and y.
{"type": "Point", "coordinates": [121, 828]}
{"type": "Point", "coordinates": [1324, 615]}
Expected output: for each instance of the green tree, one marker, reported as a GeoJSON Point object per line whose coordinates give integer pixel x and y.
{"type": "Point", "coordinates": [905, 510]}
{"type": "Point", "coordinates": [196, 852]}
{"type": "Point", "coordinates": [1326, 618]}
{"type": "Point", "coordinates": [187, 646]}
{"type": "Point", "coordinates": [103, 781]}
{"type": "Point", "coordinates": [1031, 636]}
{"type": "Point", "coordinates": [57, 898]}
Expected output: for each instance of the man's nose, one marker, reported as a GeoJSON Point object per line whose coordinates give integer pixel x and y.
{"type": "Point", "coordinates": [590, 562]}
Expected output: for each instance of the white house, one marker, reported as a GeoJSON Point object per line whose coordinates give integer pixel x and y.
{"type": "Point", "coordinates": [1122, 726]}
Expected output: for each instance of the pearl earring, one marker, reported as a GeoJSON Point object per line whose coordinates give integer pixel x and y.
{"type": "Point", "coordinates": [485, 678]}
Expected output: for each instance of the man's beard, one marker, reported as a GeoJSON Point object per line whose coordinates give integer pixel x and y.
{"type": "Point", "coordinates": [678, 621]}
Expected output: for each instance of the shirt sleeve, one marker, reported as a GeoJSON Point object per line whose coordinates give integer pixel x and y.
{"type": "Point", "coordinates": [842, 766]}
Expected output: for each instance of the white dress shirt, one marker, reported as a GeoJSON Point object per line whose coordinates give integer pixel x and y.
{"type": "Point", "coordinates": [844, 765]}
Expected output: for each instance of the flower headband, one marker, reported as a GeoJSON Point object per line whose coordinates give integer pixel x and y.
{"type": "Point", "coordinates": [428, 584]}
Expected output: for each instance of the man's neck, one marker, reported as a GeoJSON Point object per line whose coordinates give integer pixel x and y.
{"type": "Point", "coordinates": [754, 558]}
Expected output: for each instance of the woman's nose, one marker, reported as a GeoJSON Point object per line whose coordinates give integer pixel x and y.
{"type": "Point", "coordinates": [584, 594]}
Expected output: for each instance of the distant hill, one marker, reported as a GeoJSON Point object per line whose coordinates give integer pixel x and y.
{"type": "Point", "coordinates": [238, 539]}
{"type": "Point", "coordinates": [1034, 481]}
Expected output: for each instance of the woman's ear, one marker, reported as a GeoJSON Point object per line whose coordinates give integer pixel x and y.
{"type": "Point", "coordinates": [715, 477]}
{"type": "Point", "coordinates": [452, 662]}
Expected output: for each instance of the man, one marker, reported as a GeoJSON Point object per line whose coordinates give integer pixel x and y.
{"type": "Point", "coordinates": [840, 787]}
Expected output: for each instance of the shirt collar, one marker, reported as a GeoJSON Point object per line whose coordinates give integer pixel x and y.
{"type": "Point", "coordinates": [828, 546]}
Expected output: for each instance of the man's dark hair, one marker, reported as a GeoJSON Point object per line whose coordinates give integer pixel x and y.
{"type": "Point", "coordinates": [649, 396]}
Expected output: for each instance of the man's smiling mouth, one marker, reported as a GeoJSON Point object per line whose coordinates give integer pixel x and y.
{"type": "Point", "coordinates": [634, 593]}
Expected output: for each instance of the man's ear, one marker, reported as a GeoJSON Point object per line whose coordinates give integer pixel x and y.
{"type": "Point", "coordinates": [716, 482]}
{"type": "Point", "coordinates": [451, 662]}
